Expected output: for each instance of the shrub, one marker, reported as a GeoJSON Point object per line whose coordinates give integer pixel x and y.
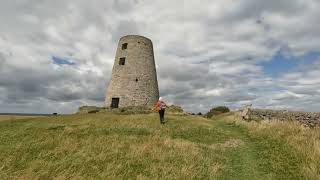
{"type": "Point", "coordinates": [127, 110]}
{"type": "Point", "coordinates": [132, 110]}
{"type": "Point", "coordinates": [217, 110]}
{"type": "Point", "coordinates": [90, 109]}
{"type": "Point", "coordinates": [93, 111]}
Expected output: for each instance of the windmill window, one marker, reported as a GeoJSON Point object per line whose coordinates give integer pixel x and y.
{"type": "Point", "coordinates": [124, 46]}
{"type": "Point", "coordinates": [122, 61]}
{"type": "Point", "coordinates": [115, 102]}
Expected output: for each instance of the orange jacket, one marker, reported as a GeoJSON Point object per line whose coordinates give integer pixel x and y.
{"type": "Point", "coordinates": [157, 105]}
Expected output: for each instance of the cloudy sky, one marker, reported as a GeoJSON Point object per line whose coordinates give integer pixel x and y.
{"type": "Point", "coordinates": [57, 55]}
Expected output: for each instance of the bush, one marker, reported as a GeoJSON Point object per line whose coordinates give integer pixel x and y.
{"type": "Point", "coordinates": [127, 110]}
{"type": "Point", "coordinates": [90, 109]}
{"type": "Point", "coordinates": [124, 110]}
{"type": "Point", "coordinates": [217, 110]}
{"type": "Point", "coordinates": [93, 111]}
{"type": "Point", "coordinates": [132, 110]}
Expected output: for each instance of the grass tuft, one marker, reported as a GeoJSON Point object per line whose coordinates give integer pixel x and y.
{"type": "Point", "coordinates": [137, 146]}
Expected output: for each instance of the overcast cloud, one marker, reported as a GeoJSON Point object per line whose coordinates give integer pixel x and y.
{"type": "Point", "coordinates": [57, 55]}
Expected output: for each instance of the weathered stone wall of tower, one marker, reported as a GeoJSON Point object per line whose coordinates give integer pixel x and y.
{"type": "Point", "coordinates": [134, 83]}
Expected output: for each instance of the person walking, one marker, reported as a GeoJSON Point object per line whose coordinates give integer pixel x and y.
{"type": "Point", "coordinates": [161, 107]}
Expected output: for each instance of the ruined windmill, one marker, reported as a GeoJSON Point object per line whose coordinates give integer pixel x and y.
{"type": "Point", "coordinates": [134, 78]}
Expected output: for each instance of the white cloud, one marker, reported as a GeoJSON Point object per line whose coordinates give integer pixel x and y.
{"type": "Point", "coordinates": [207, 53]}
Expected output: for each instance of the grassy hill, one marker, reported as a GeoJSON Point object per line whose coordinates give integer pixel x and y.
{"type": "Point", "coordinates": [110, 146]}
{"type": "Point", "coordinates": [15, 117]}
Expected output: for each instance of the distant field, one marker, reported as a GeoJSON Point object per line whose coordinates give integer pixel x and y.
{"type": "Point", "coordinates": [109, 146]}
{"type": "Point", "coordinates": [10, 117]}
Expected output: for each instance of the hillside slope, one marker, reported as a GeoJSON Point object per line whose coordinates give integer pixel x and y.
{"type": "Point", "coordinates": [105, 145]}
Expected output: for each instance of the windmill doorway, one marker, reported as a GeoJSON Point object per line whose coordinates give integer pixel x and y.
{"type": "Point", "coordinates": [115, 102]}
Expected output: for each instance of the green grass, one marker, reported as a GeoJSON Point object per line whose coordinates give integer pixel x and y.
{"type": "Point", "coordinates": [109, 146]}
{"type": "Point", "coordinates": [10, 117]}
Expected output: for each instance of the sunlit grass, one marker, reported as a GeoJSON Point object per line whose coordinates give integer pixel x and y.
{"type": "Point", "coordinates": [110, 146]}
{"type": "Point", "coordinates": [304, 142]}
{"type": "Point", "coordinates": [9, 117]}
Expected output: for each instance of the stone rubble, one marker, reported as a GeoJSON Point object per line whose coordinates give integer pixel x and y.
{"type": "Point", "coordinates": [308, 119]}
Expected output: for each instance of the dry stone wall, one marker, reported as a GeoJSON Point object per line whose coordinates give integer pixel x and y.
{"type": "Point", "coordinates": [308, 119]}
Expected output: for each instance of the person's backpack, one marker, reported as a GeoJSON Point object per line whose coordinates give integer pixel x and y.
{"type": "Point", "coordinates": [162, 105]}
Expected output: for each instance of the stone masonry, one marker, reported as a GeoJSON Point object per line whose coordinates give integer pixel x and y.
{"type": "Point", "coordinates": [134, 78]}
{"type": "Point", "coordinates": [308, 119]}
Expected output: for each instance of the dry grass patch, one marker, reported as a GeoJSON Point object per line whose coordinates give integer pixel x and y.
{"type": "Point", "coordinates": [105, 145]}
{"type": "Point", "coordinates": [305, 142]}
{"type": "Point", "coordinates": [112, 146]}
{"type": "Point", "coordinates": [232, 143]}
{"type": "Point", "coordinates": [9, 117]}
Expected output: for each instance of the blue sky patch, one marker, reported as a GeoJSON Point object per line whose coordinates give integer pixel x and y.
{"type": "Point", "coordinates": [282, 62]}
{"type": "Point", "coordinates": [62, 61]}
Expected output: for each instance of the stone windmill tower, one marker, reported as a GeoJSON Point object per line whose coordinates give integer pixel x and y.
{"type": "Point", "coordinates": [134, 78]}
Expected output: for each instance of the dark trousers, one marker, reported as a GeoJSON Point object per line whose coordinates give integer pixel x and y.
{"type": "Point", "coordinates": [161, 113]}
